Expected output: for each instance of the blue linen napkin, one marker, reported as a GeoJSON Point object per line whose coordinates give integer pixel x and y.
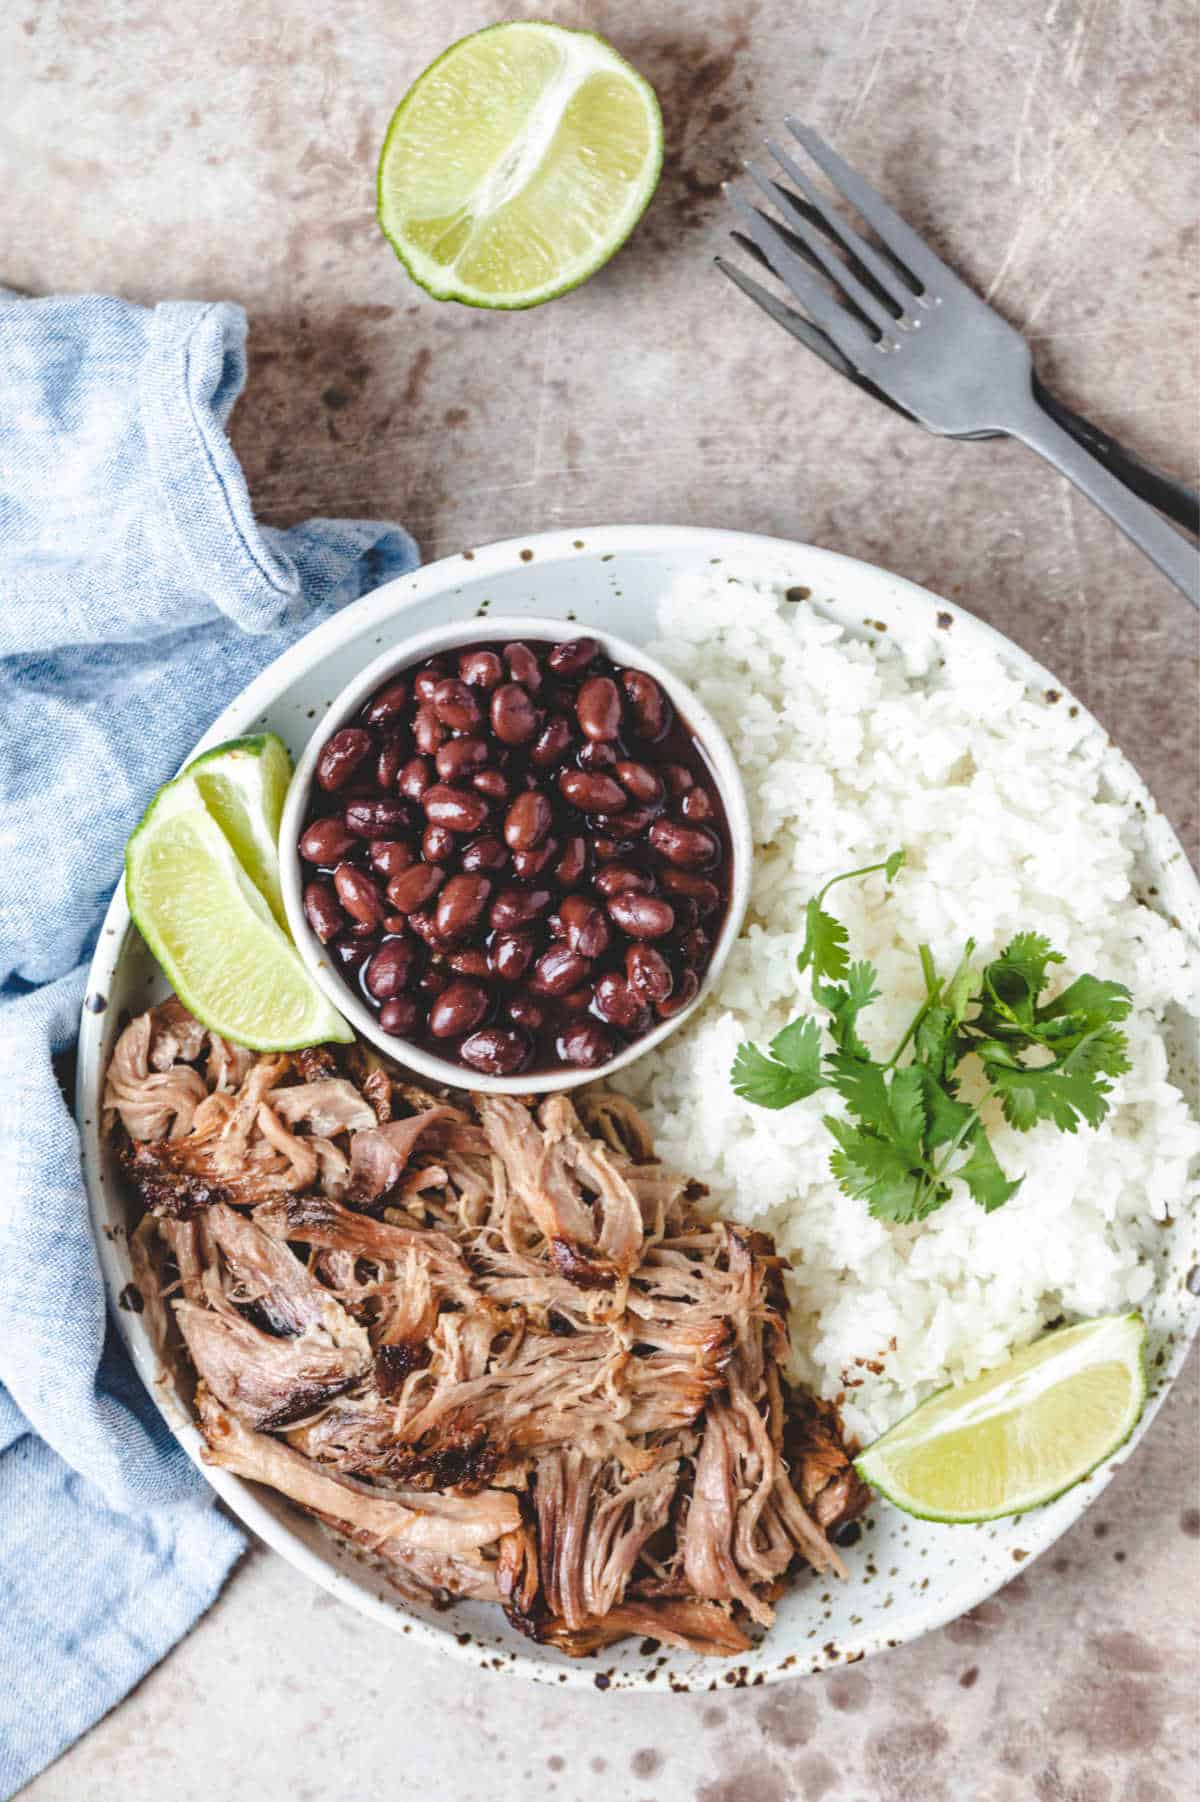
{"type": "Point", "coordinates": [137, 597]}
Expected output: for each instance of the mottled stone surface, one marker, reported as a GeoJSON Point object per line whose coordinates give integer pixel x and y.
{"type": "Point", "coordinates": [1048, 148]}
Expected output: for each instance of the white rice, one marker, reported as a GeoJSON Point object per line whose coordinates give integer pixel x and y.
{"type": "Point", "coordinates": [848, 750]}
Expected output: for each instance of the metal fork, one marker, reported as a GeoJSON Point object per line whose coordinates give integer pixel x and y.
{"type": "Point", "coordinates": [913, 332]}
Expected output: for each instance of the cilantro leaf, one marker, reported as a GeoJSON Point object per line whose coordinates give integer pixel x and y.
{"type": "Point", "coordinates": [946, 1115]}
{"type": "Point", "coordinates": [825, 938]}
{"type": "Point", "coordinates": [907, 1098]}
{"type": "Point", "coordinates": [792, 1071]}
{"type": "Point", "coordinates": [1013, 981]}
{"type": "Point", "coordinates": [1071, 1089]}
{"type": "Point", "coordinates": [1086, 1005]}
{"type": "Point", "coordinates": [845, 1002]}
{"type": "Point", "coordinates": [825, 942]}
{"type": "Point", "coordinates": [878, 1172]}
{"type": "Point", "coordinates": [985, 1180]}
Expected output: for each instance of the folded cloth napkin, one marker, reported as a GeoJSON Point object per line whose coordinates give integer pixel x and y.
{"type": "Point", "coordinates": [137, 596]}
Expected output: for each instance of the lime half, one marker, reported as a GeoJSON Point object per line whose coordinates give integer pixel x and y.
{"type": "Point", "coordinates": [1020, 1435]}
{"type": "Point", "coordinates": [207, 921]}
{"type": "Point", "coordinates": [517, 164]}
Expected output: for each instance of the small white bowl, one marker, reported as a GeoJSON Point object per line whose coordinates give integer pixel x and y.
{"type": "Point", "coordinates": [346, 705]}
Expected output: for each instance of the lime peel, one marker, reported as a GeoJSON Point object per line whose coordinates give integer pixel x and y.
{"type": "Point", "coordinates": [1020, 1435]}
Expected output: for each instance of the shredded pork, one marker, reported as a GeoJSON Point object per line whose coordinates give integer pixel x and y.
{"type": "Point", "coordinates": [500, 1348]}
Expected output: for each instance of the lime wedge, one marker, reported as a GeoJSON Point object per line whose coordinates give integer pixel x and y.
{"type": "Point", "coordinates": [1020, 1435]}
{"type": "Point", "coordinates": [213, 932]}
{"type": "Point", "coordinates": [517, 164]}
{"type": "Point", "coordinates": [243, 783]}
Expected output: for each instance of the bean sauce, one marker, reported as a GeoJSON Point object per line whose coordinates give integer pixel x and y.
{"type": "Point", "coordinates": [518, 856]}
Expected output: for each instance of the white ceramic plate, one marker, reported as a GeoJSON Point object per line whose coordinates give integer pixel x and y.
{"type": "Point", "coordinates": [905, 1575]}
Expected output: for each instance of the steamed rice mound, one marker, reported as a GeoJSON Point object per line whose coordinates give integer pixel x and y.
{"type": "Point", "coordinates": [999, 796]}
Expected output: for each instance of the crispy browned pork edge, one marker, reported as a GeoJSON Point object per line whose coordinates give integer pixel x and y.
{"type": "Point", "coordinates": [505, 1311]}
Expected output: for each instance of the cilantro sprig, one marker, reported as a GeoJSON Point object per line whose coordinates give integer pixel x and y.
{"type": "Point", "coordinates": [906, 1133]}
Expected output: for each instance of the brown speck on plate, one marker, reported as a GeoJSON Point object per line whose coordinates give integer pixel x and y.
{"type": "Point", "coordinates": [526, 556]}
{"type": "Point", "coordinates": [1019, 1556]}
{"type": "Point", "coordinates": [469, 556]}
{"type": "Point", "coordinates": [945, 621]}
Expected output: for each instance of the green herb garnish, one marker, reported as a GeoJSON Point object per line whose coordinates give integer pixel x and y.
{"type": "Point", "coordinates": [906, 1133]}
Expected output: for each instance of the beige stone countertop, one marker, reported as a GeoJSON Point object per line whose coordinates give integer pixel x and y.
{"type": "Point", "coordinates": [1049, 149]}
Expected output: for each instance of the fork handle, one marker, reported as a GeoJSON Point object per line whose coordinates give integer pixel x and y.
{"type": "Point", "coordinates": [1166, 492]}
{"type": "Point", "coordinates": [1166, 548]}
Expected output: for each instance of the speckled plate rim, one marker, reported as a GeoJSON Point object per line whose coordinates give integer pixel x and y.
{"type": "Point", "coordinates": [858, 596]}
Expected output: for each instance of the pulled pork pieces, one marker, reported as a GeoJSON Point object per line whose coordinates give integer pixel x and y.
{"type": "Point", "coordinates": [500, 1349]}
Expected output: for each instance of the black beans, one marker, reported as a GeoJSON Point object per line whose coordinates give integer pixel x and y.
{"type": "Point", "coordinates": [683, 994]}
{"type": "Point", "coordinates": [530, 858]}
{"type": "Point", "coordinates": [413, 888]}
{"type": "Point", "coordinates": [392, 753]}
{"type": "Point", "coordinates": [376, 819]}
{"type": "Point", "coordinates": [592, 794]}
{"type": "Point", "coordinates": [325, 842]}
{"type": "Point", "coordinates": [341, 757]}
{"type": "Point", "coordinates": [621, 879]}
{"type": "Point", "coordinates": [700, 889]}
{"type": "Point", "coordinates": [518, 906]}
{"type": "Point", "coordinates": [358, 895]}
{"type": "Point", "coordinates": [618, 1002]}
{"type": "Point", "coordinates": [511, 954]}
{"type": "Point", "coordinates": [392, 969]}
{"type": "Point", "coordinates": [688, 847]}
{"type": "Point", "coordinates": [495, 1052]}
{"type": "Point", "coordinates": [400, 1016]}
{"type": "Point", "coordinates": [481, 669]}
{"type": "Point", "coordinates": [415, 777]}
{"type": "Point", "coordinates": [322, 910]}
{"type": "Point", "coordinates": [571, 658]}
{"type": "Point", "coordinates": [455, 808]}
{"type": "Point", "coordinates": [524, 1009]}
{"type": "Point", "coordinates": [428, 730]}
{"type": "Point", "coordinates": [558, 970]}
{"type": "Point", "coordinates": [598, 708]}
{"type": "Point", "coordinates": [552, 743]}
{"type": "Point", "coordinates": [528, 864]}
{"type": "Point", "coordinates": [460, 906]}
{"type": "Point", "coordinates": [523, 667]}
{"type": "Point", "coordinates": [460, 757]}
{"type": "Point", "coordinates": [389, 704]}
{"type": "Point", "coordinates": [514, 718]}
{"type": "Point", "coordinates": [527, 821]}
{"type": "Point", "coordinates": [484, 854]}
{"type": "Point", "coordinates": [640, 782]}
{"type": "Point", "coordinates": [587, 1045]}
{"type": "Point", "coordinates": [459, 1008]}
{"type": "Point", "coordinates": [648, 705]}
{"type": "Point", "coordinates": [492, 783]}
{"type": "Point", "coordinates": [455, 705]}
{"type": "Point", "coordinates": [696, 805]}
{"type": "Point", "coordinates": [438, 844]}
{"type": "Point", "coordinates": [642, 916]}
{"type": "Point", "coordinates": [585, 928]}
{"type": "Point", "coordinates": [391, 855]}
{"type": "Point", "coordinates": [571, 867]}
{"type": "Point", "coordinates": [648, 972]}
